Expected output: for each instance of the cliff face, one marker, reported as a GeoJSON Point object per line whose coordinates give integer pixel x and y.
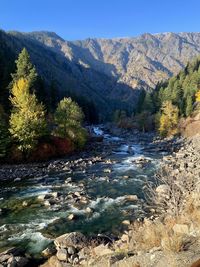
{"type": "Point", "coordinates": [109, 72]}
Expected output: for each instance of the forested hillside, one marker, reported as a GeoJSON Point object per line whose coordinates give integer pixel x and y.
{"type": "Point", "coordinates": [102, 75]}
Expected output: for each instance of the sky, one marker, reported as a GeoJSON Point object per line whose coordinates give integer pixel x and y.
{"type": "Point", "coordinates": [80, 19]}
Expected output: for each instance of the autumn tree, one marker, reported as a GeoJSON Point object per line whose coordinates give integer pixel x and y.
{"type": "Point", "coordinates": [68, 118]}
{"type": "Point", "coordinates": [27, 121]}
{"type": "Point", "coordinates": [198, 96]}
{"type": "Point", "coordinates": [168, 119]}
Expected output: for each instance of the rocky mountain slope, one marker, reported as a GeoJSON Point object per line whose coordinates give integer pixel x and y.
{"type": "Point", "coordinates": [109, 72]}
{"type": "Point", "coordinates": [137, 62]}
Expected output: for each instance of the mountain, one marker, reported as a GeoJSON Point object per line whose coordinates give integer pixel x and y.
{"type": "Point", "coordinates": [109, 72]}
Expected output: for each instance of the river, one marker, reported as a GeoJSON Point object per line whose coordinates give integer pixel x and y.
{"type": "Point", "coordinates": [104, 186]}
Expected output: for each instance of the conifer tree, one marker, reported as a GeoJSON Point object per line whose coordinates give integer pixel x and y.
{"type": "Point", "coordinates": [25, 69]}
{"type": "Point", "coordinates": [4, 134]}
{"type": "Point", "coordinates": [148, 103]}
{"type": "Point", "coordinates": [189, 106]}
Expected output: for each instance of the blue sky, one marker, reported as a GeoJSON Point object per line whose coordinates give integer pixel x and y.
{"type": "Point", "coordinates": [80, 19]}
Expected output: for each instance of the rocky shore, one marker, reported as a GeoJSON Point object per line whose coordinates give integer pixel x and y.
{"type": "Point", "coordinates": [95, 151]}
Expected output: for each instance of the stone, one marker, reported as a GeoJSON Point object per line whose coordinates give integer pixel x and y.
{"type": "Point", "coordinates": [43, 197]}
{"type": "Point", "coordinates": [88, 210]}
{"type": "Point", "coordinates": [84, 201]}
{"type": "Point", "coordinates": [68, 180]}
{"type": "Point", "coordinates": [181, 229]}
{"type": "Point", "coordinates": [77, 194]}
{"type": "Point", "coordinates": [62, 254]}
{"type": "Point", "coordinates": [17, 179]}
{"type": "Point", "coordinates": [71, 250]}
{"type": "Point", "coordinates": [107, 170]}
{"type": "Point", "coordinates": [71, 217]}
{"type": "Point", "coordinates": [5, 257]}
{"type": "Point", "coordinates": [25, 203]}
{"type": "Point", "coordinates": [76, 261]}
{"type": "Point", "coordinates": [126, 222]}
{"type": "Point", "coordinates": [55, 194]}
{"type": "Point", "coordinates": [48, 252]}
{"type": "Point", "coordinates": [47, 203]}
{"type": "Point", "coordinates": [131, 198]}
{"type": "Point", "coordinates": [74, 239]}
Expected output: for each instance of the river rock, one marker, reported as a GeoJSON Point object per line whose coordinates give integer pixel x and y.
{"type": "Point", "coordinates": [126, 222]}
{"type": "Point", "coordinates": [55, 194]}
{"type": "Point", "coordinates": [131, 198]}
{"type": "Point", "coordinates": [47, 203]}
{"type": "Point", "coordinates": [62, 254]}
{"type": "Point", "coordinates": [88, 210]}
{"type": "Point", "coordinates": [43, 197]}
{"type": "Point", "coordinates": [71, 217]}
{"type": "Point", "coordinates": [17, 179]}
{"type": "Point", "coordinates": [24, 203]}
{"type": "Point", "coordinates": [71, 250]}
{"type": "Point", "coordinates": [107, 170]}
{"type": "Point", "coordinates": [48, 252]}
{"type": "Point", "coordinates": [74, 239]}
{"type": "Point", "coordinates": [5, 257]}
{"type": "Point", "coordinates": [77, 194]}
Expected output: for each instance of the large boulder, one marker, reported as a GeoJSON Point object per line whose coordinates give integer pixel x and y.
{"type": "Point", "coordinates": [74, 239]}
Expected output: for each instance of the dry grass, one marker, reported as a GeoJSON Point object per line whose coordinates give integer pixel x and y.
{"type": "Point", "coordinates": [158, 234]}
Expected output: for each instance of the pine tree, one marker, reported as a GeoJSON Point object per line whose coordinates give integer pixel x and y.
{"type": "Point", "coordinates": [4, 135]}
{"type": "Point", "coordinates": [68, 118]}
{"type": "Point", "coordinates": [189, 106]}
{"type": "Point", "coordinates": [148, 103]}
{"type": "Point", "coordinates": [25, 69]}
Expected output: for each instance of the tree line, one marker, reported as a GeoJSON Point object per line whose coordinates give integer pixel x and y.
{"type": "Point", "coordinates": [163, 107]}
{"type": "Point", "coordinates": [27, 120]}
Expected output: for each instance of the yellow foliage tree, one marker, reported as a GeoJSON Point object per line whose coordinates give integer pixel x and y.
{"type": "Point", "coordinates": [198, 96]}
{"type": "Point", "coordinates": [27, 120]}
{"type": "Point", "coordinates": [168, 119]}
